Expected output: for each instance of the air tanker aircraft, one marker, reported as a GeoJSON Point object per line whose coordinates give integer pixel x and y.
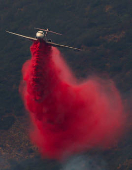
{"type": "Point", "coordinates": [41, 35]}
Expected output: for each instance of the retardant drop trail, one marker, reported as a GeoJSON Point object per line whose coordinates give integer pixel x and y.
{"type": "Point", "coordinates": [68, 117]}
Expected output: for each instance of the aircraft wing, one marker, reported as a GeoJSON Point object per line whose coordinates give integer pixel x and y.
{"type": "Point", "coordinates": [30, 38]}
{"type": "Point", "coordinates": [60, 45]}
{"type": "Point", "coordinates": [50, 43]}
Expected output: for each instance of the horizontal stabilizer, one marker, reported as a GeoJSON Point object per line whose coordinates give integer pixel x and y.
{"type": "Point", "coordinates": [48, 31]}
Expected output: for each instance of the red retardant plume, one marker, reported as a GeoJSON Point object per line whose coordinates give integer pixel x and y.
{"type": "Point", "coordinates": [68, 117]}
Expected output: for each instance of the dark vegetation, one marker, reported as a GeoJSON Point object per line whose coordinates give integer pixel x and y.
{"type": "Point", "coordinates": [35, 164]}
{"type": "Point", "coordinates": [102, 27]}
{"type": "Point", "coordinates": [6, 122]}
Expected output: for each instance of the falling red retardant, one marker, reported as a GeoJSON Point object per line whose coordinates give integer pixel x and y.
{"type": "Point", "coordinates": [68, 117]}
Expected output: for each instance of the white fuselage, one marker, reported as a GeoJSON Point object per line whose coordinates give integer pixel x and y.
{"type": "Point", "coordinates": [40, 35]}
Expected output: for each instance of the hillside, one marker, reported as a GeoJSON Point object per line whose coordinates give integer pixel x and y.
{"type": "Point", "coordinates": [102, 28]}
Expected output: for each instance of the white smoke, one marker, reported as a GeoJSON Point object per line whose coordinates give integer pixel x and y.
{"type": "Point", "coordinates": [85, 162]}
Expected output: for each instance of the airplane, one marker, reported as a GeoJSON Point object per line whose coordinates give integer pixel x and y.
{"type": "Point", "coordinates": [40, 35]}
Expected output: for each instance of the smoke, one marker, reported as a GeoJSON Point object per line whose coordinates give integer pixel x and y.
{"type": "Point", "coordinates": [85, 162]}
{"type": "Point", "coordinates": [68, 116]}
